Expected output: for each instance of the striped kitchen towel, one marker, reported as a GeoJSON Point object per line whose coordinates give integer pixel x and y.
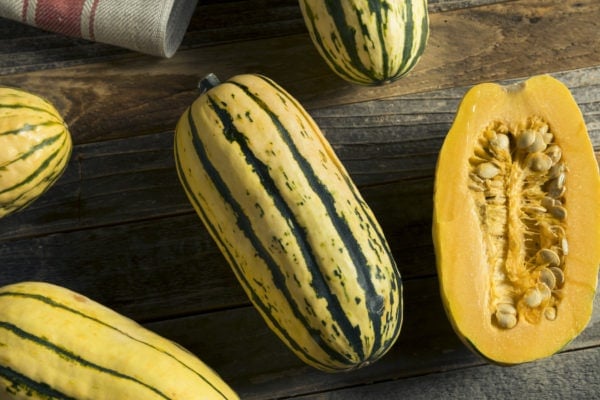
{"type": "Point", "coordinates": [149, 26]}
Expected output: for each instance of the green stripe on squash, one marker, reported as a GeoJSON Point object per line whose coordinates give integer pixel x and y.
{"type": "Point", "coordinates": [303, 243]}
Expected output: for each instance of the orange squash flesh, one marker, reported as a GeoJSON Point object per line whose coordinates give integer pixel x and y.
{"type": "Point", "coordinates": [463, 269]}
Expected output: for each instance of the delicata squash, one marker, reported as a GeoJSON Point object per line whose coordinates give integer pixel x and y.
{"type": "Point", "coordinates": [517, 220]}
{"type": "Point", "coordinates": [284, 212]}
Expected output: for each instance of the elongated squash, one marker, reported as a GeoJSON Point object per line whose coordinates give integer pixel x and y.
{"type": "Point", "coordinates": [517, 220]}
{"type": "Point", "coordinates": [35, 146]}
{"type": "Point", "coordinates": [303, 243]}
{"type": "Point", "coordinates": [58, 344]}
{"type": "Point", "coordinates": [368, 42]}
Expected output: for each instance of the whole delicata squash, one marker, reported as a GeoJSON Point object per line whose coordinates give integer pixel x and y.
{"type": "Point", "coordinates": [517, 220]}
{"type": "Point", "coordinates": [284, 212]}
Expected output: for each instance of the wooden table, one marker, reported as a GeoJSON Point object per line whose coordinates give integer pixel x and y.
{"type": "Point", "coordinates": [118, 228]}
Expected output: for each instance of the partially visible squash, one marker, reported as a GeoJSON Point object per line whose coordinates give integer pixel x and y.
{"type": "Point", "coordinates": [368, 42]}
{"type": "Point", "coordinates": [35, 147]}
{"type": "Point", "coordinates": [517, 220]}
{"type": "Point", "coordinates": [56, 344]}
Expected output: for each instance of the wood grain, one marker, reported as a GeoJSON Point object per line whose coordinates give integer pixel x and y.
{"type": "Point", "coordinates": [567, 376]}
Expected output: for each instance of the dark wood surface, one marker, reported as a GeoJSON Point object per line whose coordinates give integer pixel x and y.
{"type": "Point", "coordinates": [118, 228]}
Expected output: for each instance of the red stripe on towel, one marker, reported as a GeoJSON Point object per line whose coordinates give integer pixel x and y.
{"type": "Point", "coordinates": [92, 18]}
{"type": "Point", "coordinates": [60, 16]}
{"type": "Point", "coordinates": [24, 13]}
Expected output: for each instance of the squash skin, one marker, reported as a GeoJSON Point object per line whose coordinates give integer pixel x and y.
{"type": "Point", "coordinates": [87, 351]}
{"type": "Point", "coordinates": [35, 147]}
{"type": "Point", "coordinates": [464, 282]}
{"type": "Point", "coordinates": [302, 242]}
{"type": "Point", "coordinates": [368, 42]}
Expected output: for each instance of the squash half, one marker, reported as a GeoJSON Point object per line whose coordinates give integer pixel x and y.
{"type": "Point", "coordinates": [516, 222]}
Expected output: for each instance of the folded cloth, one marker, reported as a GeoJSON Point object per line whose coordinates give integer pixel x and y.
{"type": "Point", "coordinates": [154, 27]}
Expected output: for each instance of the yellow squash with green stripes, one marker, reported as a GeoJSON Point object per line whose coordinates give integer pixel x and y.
{"type": "Point", "coordinates": [368, 42]}
{"type": "Point", "coordinates": [35, 146]}
{"type": "Point", "coordinates": [58, 344]}
{"type": "Point", "coordinates": [284, 212]}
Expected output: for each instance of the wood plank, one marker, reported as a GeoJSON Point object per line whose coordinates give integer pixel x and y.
{"type": "Point", "coordinates": [241, 348]}
{"type": "Point", "coordinates": [570, 375]}
{"type": "Point", "coordinates": [143, 94]}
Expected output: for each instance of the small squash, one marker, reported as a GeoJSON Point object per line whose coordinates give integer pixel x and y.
{"type": "Point", "coordinates": [35, 146]}
{"type": "Point", "coordinates": [368, 42]}
{"type": "Point", "coordinates": [58, 344]}
{"type": "Point", "coordinates": [517, 220]}
{"type": "Point", "coordinates": [294, 228]}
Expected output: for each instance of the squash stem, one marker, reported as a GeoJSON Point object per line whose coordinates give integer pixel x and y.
{"type": "Point", "coordinates": [208, 82]}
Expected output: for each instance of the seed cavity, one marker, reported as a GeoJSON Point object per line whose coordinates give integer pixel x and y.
{"type": "Point", "coordinates": [518, 182]}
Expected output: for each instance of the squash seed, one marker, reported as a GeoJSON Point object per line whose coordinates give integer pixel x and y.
{"type": "Point", "coordinates": [526, 139]}
{"type": "Point", "coordinates": [544, 290]}
{"type": "Point", "coordinates": [501, 142]}
{"type": "Point", "coordinates": [558, 275]}
{"type": "Point", "coordinates": [487, 170]}
{"type": "Point", "coordinates": [539, 162]}
{"type": "Point", "coordinates": [548, 202]}
{"type": "Point", "coordinates": [506, 308]}
{"type": "Point", "coordinates": [534, 208]}
{"type": "Point", "coordinates": [532, 297]}
{"type": "Point", "coordinates": [554, 152]}
{"type": "Point", "coordinates": [550, 313]}
{"type": "Point", "coordinates": [556, 187]}
{"type": "Point", "coordinates": [558, 212]}
{"type": "Point", "coordinates": [537, 145]}
{"type": "Point", "coordinates": [518, 179]}
{"type": "Point", "coordinates": [556, 170]}
{"type": "Point", "coordinates": [548, 278]}
{"type": "Point", "coordinates": [564, 245]}
{"type": "Point", "coordinates": [548, 257]}
{"type": "Point", "coordinates": [506, 320]}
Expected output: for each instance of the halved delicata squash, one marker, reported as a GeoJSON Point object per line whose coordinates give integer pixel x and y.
{"type": "Point", "coordinates": [516, 222]}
